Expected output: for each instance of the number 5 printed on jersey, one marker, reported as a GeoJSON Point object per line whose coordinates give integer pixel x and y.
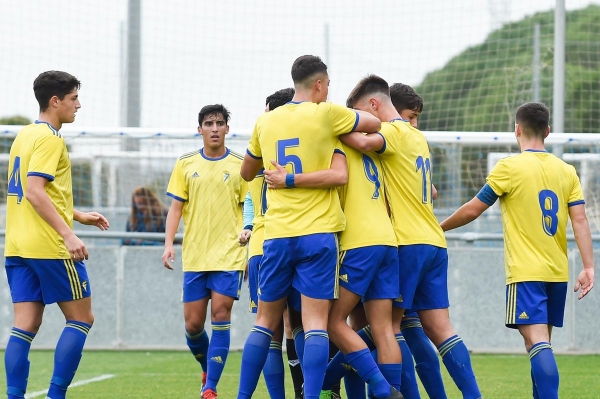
{"type": "Point", "coordinates": [283, 158]}
{"type": "Point", "coordinates": [15, 188]}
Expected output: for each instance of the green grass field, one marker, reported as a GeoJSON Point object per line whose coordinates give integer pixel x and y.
{"type": "Point", "coordinates": [175, 375]}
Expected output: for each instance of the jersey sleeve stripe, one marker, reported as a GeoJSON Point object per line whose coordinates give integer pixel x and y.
{"type": "Point", "coordinates": [40, 174]}
{"type": "Point", "coordinates": [487, 195]}
{"type": "Point", "coordinates": [175, 197]}
{"type": "Point", "coordinates": [355, 123]}
{"type": "Point", "coordinates": [338, 151]}
{"type": "Point", "coordinates": [382, 150]}
{"type": "Point", "coordinates": [576, 203]}
{"type": "Point", "coordinates": [252, 155]}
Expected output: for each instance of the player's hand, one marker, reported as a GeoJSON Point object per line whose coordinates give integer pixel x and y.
{"type": "Point", "coordinates": [244, 237]}
{"type": "Point", "coordinates": [585, 281]}
{"type": "Point", "coordinates": [93, 219]}
{"type": "Point", "coordinates": [168, 257]}
{"type": "Point", "coordinates": [275, 178]}
{"type": "Point", "coordinates": [76, 248]}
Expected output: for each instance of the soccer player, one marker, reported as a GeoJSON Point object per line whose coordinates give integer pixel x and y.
{"type": "Point", "coordinates": [537, 192]}
{"type": "Point", "coordinates": [208, 192]}
{"type": "Point", "coordinates": [409, 106]}
{"type": "Point", "coordinates": [421, 243]}
{"type": "Point", "coordinates": [44, 258]}
{"type": "Point", "coordinates": [300, 248]}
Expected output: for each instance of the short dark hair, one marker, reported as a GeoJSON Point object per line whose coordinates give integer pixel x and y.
{"type": "Point", "coordinates": [306, 66]}
{"type": "Point", "coordinates": [53, 83]}
{"type": "Point", "coordinates": [405, 97]}
{"type": "Point", "coordinates": [372, 84]}
{"type": "Point", "coordinates": [534, 119]}
{"type": "Point", "coordinates": [279, 98]}
{"type": "Point", "coordinates": [214, 109]}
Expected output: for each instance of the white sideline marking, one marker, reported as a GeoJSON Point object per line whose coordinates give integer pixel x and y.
{"type": "Point", "coordinates": [78, 383]}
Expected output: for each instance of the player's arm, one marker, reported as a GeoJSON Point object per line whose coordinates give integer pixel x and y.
{"type": "Point", "coordinates": [364, 142]}
{"type": "Point", "coordinates": [434, 192]}
{"type": "Point", "coordinates": [366, 122]}
{"type": "Point", "coordinates": [471, 210]}
{"type": "Point", "coordinates": [248, 216]}
{"type": "Point", "coordinates": [583, 238]}
{"type": "Point", "coordinates": [91, 219]}
{"type": "Point", "coordinates": [250, 167]}
{"type": "Point", "coordinates": [336, 175]}
{"type": "Point", "coordinates": [38, 198]}
{"type": "Point", "coordinates": [171, 226]}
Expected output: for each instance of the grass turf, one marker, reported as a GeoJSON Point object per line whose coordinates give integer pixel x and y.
{"type": "Point", "coordinates": [176, 375]}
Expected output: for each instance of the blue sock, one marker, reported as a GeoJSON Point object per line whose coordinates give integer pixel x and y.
{"type": "Point", "coordinates": [367, 369]}
{"type": "Point", "coordinates": [273, 372]}
{"type": "Point", "coordinates": [16, 362]}
{"type": "Point", "coordinates": [298, 335]}
{"type": "Point", "coordinates": [316, 357]}
{"type": "Point", "coordinates": [393, 375]}
{"type": "Point", "coordinates": [458, 363]}
{"type": "Point", "coordinates": [337, 368]}
{"type": "Point", "coordinates": [254, 356]}
{"type": "Point", "coordinates": [198, 344]}
{"type": "Point", "coordinates": [535, 393]}
{"type": "Point", "coordinates": [544, 370]}
{"type": "Point", "coordinates": [367, 336]}
{"type": "Point", "coordinates": [67, 356]}
{"type": "Point", "coordinates": [408, 388]}
{"type": "Point", "coordinates": [355, 386]}
{"type": "Point", "coordinates": [218, 349]}
{"type": "Point", "coordinates": [426, 358]}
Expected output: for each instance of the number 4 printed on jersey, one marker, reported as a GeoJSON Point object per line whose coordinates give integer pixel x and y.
{"type": "Point", "coordinates": [15, 188]}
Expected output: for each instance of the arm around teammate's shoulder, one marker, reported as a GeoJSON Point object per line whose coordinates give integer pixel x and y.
{"type": "Point", "coordinates": [364, 142]}
{"type": "Point", "coordinates": [367, 123]}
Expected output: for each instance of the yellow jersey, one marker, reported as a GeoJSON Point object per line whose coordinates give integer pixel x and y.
{"type": "Point", "coordinates": [535, 189]}
{"type": "Point", "coordinates": [258, 192]}
{"type": "Point", "coordinates": [301, 137]}
{"type": "Point", "coordinates": [213, 192]}
{"type": "Point", "coordinates": [363, 203]}
{"type": "Point", "coordinates": [407, 166]}
{"type": "Point", "coordinates": [38, 150]}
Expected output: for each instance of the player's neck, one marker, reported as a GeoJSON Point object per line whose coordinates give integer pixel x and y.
{"type": "Point", "coordinates": [535, 145]}
{"type": "Point", "coordinates": [387, 114]}
{"type": "Point", "coordinates": [53, 120]}
{"type": "Point", "coordinates": [214, 152]}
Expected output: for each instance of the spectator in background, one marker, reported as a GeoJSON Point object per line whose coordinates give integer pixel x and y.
{"type": "Point", "coordinates": [148, 215]}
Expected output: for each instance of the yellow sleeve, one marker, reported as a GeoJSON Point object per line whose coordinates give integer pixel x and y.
{"type": "Point", "coordinates": [46, 154]}
{"type": "Point", "coordinates": [178, 188]}
{"type": "Point", "coordinates": [392, 140]}
{"type": "Point", "coordinates": [343, 120]}
{"type": "Point", "coordinates": [576, 196]}
{"type": "Point", "coordinates": [499, 179]}
{"type": "Point", "coordinates": [254, 146]}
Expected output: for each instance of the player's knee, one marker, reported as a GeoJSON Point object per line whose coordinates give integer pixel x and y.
{"type": "Point", "coordinates": [220, 314]}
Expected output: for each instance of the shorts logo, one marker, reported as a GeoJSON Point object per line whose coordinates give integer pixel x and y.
{"type": "Point", "coordinates": [253, 305]}
{"type": "Point", "coordinates": [195, 175]}
{"type": "Point", "coordinates": [217, 359]}
{"type": "Point", "coordinates": [84, 285]}
{"type": "Point", "coordinates": [225, 176]}
{"type": "Point", "coordinates": [293, 363]}
{"type": "Point", "coordinates": [344, 277]}
{"type": "Point", "coordinates": [399, 299]}
{"type": "Point", "coordinates": [523, 316]}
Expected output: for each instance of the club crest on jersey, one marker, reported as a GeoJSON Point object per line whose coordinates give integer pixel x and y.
{"type": "Point", "coordinates": [225, 176]}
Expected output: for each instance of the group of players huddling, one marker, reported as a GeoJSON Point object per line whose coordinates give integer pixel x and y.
{"type": "Point", "coordinates": [339, 221]}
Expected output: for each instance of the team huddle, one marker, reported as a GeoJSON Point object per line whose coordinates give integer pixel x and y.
{"type": "Point", "coordinates": [331, 212]}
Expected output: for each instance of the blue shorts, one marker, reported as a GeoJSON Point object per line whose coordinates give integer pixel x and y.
{"type": "Point", "coordinates": [253, 265]}
{"type": "Point", "coordinates": [198, 285]}
{"type": "Point", "coordinates": [535, 302]}
{"type": "Point", "coordinates": [46, 280]}
{"type": "Point", "coordinates": [307, 263]}
{"type": "Point", "coordinates": [423, 277]}
{"type": "Point", "coordinates": [370, 272]}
